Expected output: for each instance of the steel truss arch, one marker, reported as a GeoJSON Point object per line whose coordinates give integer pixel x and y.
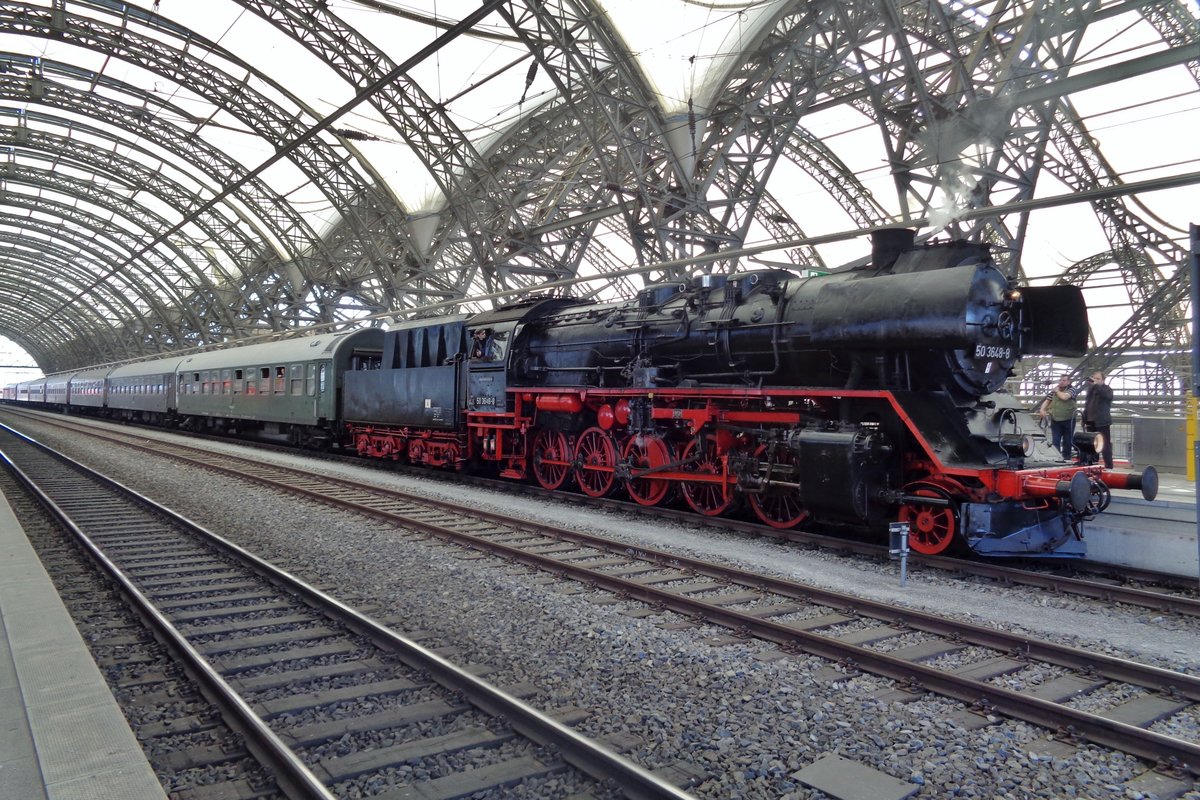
{"type": "Point", "coordinates": [144, 121]}
{"type": "Point", "coordinates": [107, 240]}
{"type": "Point", "coordinates": [135, 176]}
{"type": "Point", "coordinates": [92, 240]}
{"type": "Point", "coordinates": [341, 181]}
{"type": "Point", "coordinates": [619, 137]}
{"type": "Point", "coordinates": [87, 335]}
{"type": "Point", "coordinates": [82, 336]}
{"type": "Point", "coordinates": [444, 150]}
{"type": "Point", "coordinates": [155, 268]}
{"type": "Point", "coordinates": [757, 123]}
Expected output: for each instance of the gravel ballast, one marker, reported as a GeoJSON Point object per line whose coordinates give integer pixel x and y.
{"type": "Point", "coordinates": [744, 719]}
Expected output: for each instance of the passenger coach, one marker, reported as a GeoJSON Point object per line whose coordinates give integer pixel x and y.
{"type": "Point", "coordinates": [290, 389]}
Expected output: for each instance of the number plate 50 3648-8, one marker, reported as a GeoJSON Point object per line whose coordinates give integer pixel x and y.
{"type": "Point", "coordinates": [992, 351]}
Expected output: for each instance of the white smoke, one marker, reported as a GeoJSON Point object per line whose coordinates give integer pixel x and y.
{"type": "Point", "coordinates": [956, 148]}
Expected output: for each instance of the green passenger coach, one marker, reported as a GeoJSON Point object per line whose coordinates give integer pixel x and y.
{"type": "Point", "coordinates": [289, 389]}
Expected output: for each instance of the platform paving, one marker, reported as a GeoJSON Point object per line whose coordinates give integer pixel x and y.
{"type": "Point", "coordinates": [62, 735]}
{"type": "Point", "coordinates": [1156, 536]}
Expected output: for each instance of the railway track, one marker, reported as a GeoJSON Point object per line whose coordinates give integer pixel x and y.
{"type": "Point", "coordinates": [193, 753]}
{"type": "Point", "coordinates": [855, 634]}
{"type": "Point", "coordinates": [292, 669]}
{"type": "Point", "coordinates": [1160, 592]}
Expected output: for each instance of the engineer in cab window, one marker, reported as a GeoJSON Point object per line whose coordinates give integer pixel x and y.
{"type": "Point", "coordinates": [484, 346]}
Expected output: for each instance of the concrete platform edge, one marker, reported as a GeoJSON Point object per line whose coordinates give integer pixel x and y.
{"type": "Point", "coordinates": [63, 736]}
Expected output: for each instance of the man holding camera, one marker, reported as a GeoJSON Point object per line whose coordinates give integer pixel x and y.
{"type": "Point", "coordinates": [1059, 406]}
{"type": "Point", "coordinates": [1097, 413]}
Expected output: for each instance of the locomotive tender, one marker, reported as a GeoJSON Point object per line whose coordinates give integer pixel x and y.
{"type": "Point", "coordinates": [854, 399]}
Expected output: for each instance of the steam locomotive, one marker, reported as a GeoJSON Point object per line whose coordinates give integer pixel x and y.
{"type": "Point", "coordinates": [852, 400]}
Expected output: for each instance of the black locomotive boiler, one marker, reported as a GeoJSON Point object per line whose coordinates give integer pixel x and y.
{"type": "Point", "coordinates": [854, 399]}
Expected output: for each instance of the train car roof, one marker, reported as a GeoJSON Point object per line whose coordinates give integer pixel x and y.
{"type": "Point", "coordinates": [307, 348]}
{"type": "Point", "coordinates": [156, 366]}
{"type": "Point", "coordinates": [61, 377]}
{"type": "Point", "coordinates": [428, 322]}
{"type": "Point", "coordinates": [94, 372]}
{"type": "Point", "coordinates": [531, 308]}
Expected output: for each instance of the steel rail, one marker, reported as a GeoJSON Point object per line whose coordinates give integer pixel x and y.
{"type": "Point", "coordinates": [1061, 655]}
{"type": "Point", "coordinates": [1117, 735]}
{"type": "Point", "coordinates": [292, 775]}
{"type": "Point", "coordinates": [1168, 603]}
{"type": "Point", "coordinates": [1126, 738]}
{"type": "Point", "coordinates": [586, 754]}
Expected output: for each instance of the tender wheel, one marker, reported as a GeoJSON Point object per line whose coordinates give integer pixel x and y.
{"type": "Point", "coordinates": [551, 459]}
{"type": "Point", "coordinates": [595, 459]}
{"type": "Point", "coordinates": [932, 526]}
{"type": "Point", "coordinates": [779, 506]}
{"type": "Point", "coordinates": [709, 499]}
{"type": "Point", "coordinates": [647, 452]}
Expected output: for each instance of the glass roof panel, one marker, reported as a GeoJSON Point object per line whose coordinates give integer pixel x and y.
{"type": "Point", "coordinates": [877, 123]}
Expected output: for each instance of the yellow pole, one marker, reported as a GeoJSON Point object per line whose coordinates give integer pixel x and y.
{"type": "Point", "coordinates": [1192, 425]}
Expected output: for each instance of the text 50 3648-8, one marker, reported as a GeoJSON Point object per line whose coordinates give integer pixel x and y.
{"type": "Point", "coordinates": [993, 351]}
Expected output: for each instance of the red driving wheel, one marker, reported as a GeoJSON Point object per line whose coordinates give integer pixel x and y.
{"type": "Point", "coordinates": [710, 498]}
{"type": "Point", "coordinates": [644, 452]}
{"type": "Point", "coordinates": [932, 525]}
{"type": "Point", "coordinates": [595, 459]}
{"type": "Point", "coordinates": [551, 459]}
{"type": "Point", "coordinates": [778, 506]}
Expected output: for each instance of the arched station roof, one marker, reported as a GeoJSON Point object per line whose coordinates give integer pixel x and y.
{"type": "Point", "coordinates": [179, 174]}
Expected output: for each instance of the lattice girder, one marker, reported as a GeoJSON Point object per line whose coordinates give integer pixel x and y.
{"type": "Point", "coordinates": [339, 176]}
{"type": "Point", "coordinates": [129, 176]}
{"type": "Point", "coordinates": [144, 120]}
{"type": "Point", "coordinates": [446, 153]}
{"type": "Point", "coordinates": [158, 271]}
{"type": "Point", "coordinates": [111, 301]}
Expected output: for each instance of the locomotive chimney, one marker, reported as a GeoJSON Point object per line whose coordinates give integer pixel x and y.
{"type": "Point", "coordinates": [887, 244]}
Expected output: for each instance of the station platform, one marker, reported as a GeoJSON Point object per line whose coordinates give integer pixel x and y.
{"type": "Point", "coordinates": [1159, 535]}
{"type": "Point", "coordinates": [62, 735]}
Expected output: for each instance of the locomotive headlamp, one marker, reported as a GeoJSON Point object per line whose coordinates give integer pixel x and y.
{"type": "Point", "coordinates": [1017, 444]}
{"type": "Point", "coordinates": [1014, 296]}
{"type": "Point", "coordinates": [1089, 445]}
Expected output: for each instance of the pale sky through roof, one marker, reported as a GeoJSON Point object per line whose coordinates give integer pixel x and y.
{"type": "Point", "coordinates": [1145, 125]}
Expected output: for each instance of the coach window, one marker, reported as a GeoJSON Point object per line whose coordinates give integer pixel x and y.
{"type": "Point", "coordinates": [321, 380]}
{"type": "Point", "coordinates": [296, 380]}
{"type": "Point", "coordinates": [280, 380]}
{"type": "Point", "coordinates": [264, 380]}
{"type": "Point", "coordinates": [237, 382]}
{"type": "Point", "coordinates": [311, 379]}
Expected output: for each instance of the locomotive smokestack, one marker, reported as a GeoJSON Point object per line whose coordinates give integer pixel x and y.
{"type": "Point", "coordinates": [887, 244]}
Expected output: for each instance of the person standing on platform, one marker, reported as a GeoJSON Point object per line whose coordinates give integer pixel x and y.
{"type": "Point", "coordinates": [1059, 406]}
{"type": "Point", "coordinates": [1097, 414]}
